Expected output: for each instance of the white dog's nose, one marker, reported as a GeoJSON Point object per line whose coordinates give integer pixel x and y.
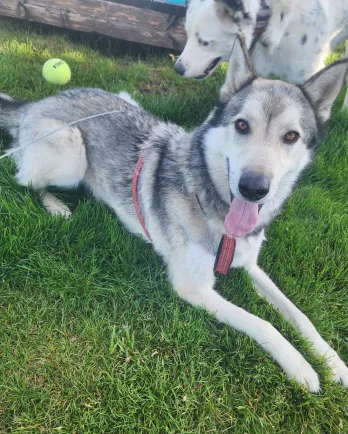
{"type": "Point", "coordinates": [179, 67]}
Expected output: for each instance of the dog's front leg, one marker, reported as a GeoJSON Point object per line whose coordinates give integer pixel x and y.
{"type": "Point", "coordinates": [278, 23]}
{"type": "Point", "coordinates": [266, 288]}
{"type": "Point", "coordinates": [192, 277]}
{"type": "Point", "coordinates": [345, 103]}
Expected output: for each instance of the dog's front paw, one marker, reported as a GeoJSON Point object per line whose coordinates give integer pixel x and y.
{"type": "Point", "coordinates": [338, 368]}
{"type": "Point", "coordinates": [295, 365]}
{"type": "Point", "coordinates": [302, 372]}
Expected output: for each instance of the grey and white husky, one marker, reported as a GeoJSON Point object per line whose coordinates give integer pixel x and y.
{"type": "Point", "coordinates": [230, 175]}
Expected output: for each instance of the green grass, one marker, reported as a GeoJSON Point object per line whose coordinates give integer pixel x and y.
{"type": "Point", "coordinates": [92, 337]}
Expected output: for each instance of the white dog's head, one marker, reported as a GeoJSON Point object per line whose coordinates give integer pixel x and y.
{"type": "Point", "coordinates": [211, 26]}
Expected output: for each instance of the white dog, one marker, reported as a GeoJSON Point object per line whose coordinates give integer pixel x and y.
{"type": "Point", "coordinates": [298, 38]}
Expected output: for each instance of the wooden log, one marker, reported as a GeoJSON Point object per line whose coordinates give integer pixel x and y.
{"type": "Point", "coordinates": [178, 9]}
{"type": "Point", "coordinates": [103, 17]}
{"type": "Point", "coordinates": [164, 6]}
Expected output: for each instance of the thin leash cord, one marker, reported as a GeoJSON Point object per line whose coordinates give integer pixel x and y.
{"type": "Point", "coordinates": [245, 50]}
{"type": "Point", "coordinates": [12, 151]}
{"type": "Point", "coordinates": [241, 37]}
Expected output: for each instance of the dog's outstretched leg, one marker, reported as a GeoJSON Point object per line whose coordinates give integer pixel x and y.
{"type": "Point", "coordinates": [266, 288]}
{"type": "Point", "coordinates": [192, 276]}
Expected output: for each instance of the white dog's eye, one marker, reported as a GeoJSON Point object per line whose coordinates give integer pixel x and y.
{"type": "Point", "coordinates": [291, 137]}
{"type": "Point", "coordinates": [242, 126]}
{"type": "Point", "coordinates": [201, 42]}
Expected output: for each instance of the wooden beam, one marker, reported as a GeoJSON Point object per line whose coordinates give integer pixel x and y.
{"type": "Point", "coordinates": [99, 16]}
{"type": "Point", "coordinates": [164, 6]}
{"type": "Point", "coordinates": [170, 8]}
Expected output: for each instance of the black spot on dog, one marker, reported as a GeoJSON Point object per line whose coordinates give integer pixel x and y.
{"type": "Point", "coordinates": [232, 7]}
{"type": "Point", "coordinates": [218, 114]}
{"type": "Point", "coordinates": [304, 39]}
{"type": "Point", "coordinates": [236, 5]}
{"type": "Point", "coordinates": [282, 16]}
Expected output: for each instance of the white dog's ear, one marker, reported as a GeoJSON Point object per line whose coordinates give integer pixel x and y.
{"type": "Point", "coordinates": [234, 9]}
{"type": "Point", "coordinates": [233, 13]}
{"type": "Point", "coordinates": [322, 89]}
{"type": "Point", "coordinates": [240, 69]}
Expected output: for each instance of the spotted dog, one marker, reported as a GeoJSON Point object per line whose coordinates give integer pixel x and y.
{"type": "Point", "coordinates": [299, 36]}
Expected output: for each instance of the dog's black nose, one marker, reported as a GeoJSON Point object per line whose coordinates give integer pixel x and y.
{"type": "Point", "coordinates": [253, 187]}
{"type": "Point", "coordinates": [179, 68]}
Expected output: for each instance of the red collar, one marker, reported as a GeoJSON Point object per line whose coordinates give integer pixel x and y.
{"type": "Point", "coordinates": [225, 253]}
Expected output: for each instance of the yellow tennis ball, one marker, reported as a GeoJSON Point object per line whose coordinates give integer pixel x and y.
{"type": "Point", "coordinates": [56, 71]}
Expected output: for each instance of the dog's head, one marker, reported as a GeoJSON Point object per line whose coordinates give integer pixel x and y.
{"type": "Point", "coordinates": [211, 26]}
{"type": "Point", "coordinates": [262, 135]}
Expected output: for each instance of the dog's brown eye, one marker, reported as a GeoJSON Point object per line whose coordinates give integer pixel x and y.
{"type": "Point", "coordinates": [242, 126]}
{"type": "Point", "coordinates": [291, 137]}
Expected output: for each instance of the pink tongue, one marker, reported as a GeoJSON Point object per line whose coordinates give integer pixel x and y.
{"type": "Point", "coordinates": [241, 218]}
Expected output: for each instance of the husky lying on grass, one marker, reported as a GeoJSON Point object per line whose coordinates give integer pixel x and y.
{"type": "Point", "coordinates": [227, 178]}
{"type": "Point", "coordinates": [299, 36]}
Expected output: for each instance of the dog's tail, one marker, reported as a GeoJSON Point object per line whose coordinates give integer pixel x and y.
{"type": "Point", "coordinates": [9, 112]}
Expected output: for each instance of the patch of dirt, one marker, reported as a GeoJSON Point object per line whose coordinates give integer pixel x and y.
{"type": "Point", "coordinates": [152, 86]}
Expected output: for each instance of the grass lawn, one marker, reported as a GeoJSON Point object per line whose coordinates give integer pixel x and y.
{"type": "Point", "coordinates": [92, 337]}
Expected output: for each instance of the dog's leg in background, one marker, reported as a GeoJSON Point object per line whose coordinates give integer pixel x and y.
{"type": "Point", "coordinates": [281, 14]}
{"type": "Point", "coordinates": [266, 288]}
{"type": "Point", "coordinates": [58, 160]}
{"type": "Point", "coordinates": [191, 273]}
{"type": "Point", "coordinates": [345, 104]}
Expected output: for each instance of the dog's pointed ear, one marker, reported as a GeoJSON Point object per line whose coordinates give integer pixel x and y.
{"type": "Point", "coordinates": [228, 7]}
{"type": "Point", "coordinates": [231, 9]}
{"type": "Point", "coordinates": [323, 88]}
{"type": "Point", "coordinates": [233, 13]}
{"type": "Point", "coordinates": [240, 69]}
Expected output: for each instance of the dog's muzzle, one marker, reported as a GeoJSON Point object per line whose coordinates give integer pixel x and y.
{"type": "Point", "coordinates": [209, 69]}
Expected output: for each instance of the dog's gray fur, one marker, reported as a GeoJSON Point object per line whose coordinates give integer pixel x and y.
{"type": "Point", "coordinates": [187, 181]}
